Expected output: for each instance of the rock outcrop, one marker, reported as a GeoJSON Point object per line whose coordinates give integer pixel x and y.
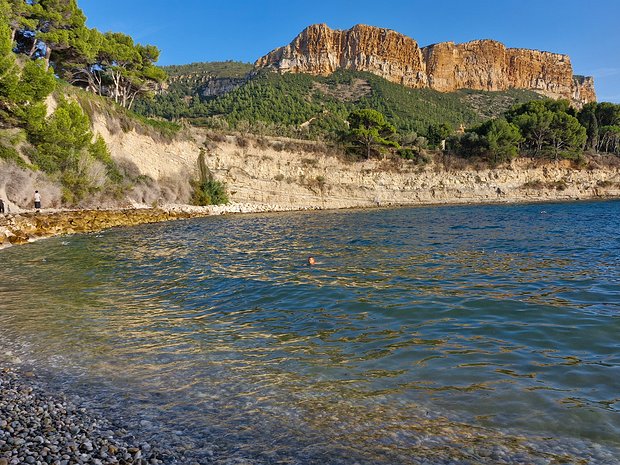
{"type": "Point", "coordinates": [219, 86]}
{"type": "Point", "coordinates": [24, 227]}
{"type": "Point", "coordinates": [446, 67]}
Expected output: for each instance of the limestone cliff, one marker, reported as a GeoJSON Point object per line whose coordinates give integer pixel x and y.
{"type": "Point", "coordinates": [320, 50]}
{"type": "Point", "coordinates": [446, 67]}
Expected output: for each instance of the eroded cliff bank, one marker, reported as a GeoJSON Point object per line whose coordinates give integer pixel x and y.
{"type": "Point", "coordinates": [305, 174]}
{"type": "Point", "coordinates": [301, 174]}
{"type": "Point", "coordinates": [446, 67]}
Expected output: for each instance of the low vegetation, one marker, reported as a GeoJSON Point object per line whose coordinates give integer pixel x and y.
{"type": "Point", "coordinates": [218, 69]}
{"type": "Point", "coordinates": [207, 190]}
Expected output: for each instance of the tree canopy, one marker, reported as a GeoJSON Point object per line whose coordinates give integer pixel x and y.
{"type": "Point", "coordinates": [437, 133]}
{"type": "Point", "coordinates": [502, 139]}
{"type": "Point", "coordinates": [548, 127]}
{"type": "Point", "coordinates": [544, 128]}
{"type": "Point", "coordinates": [61, 144]}
{"type": "Point", "coordinates": [109, 64]}
{"type": "Point", "coordinates": [602, 123]}
{"type": "Point", "coordinates": [22, 89]}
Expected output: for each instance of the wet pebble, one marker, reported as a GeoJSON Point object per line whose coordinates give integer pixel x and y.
{"type": "Point", "coordinates": [36, 428]}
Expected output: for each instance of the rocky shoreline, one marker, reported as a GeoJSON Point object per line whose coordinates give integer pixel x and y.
{"type": "Point", "coordinates": [38, 428]}
{"type": "Point", "coordinates": [22, 228]}
{"type": "Point", "coordinates": [25, 227]}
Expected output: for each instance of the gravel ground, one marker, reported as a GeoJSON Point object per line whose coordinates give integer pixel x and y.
{"type": "Point", "coordinates": [36, 428]}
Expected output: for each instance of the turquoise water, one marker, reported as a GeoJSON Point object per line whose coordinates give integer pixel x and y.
{"type": "Point", "coordinates": [478, 334]}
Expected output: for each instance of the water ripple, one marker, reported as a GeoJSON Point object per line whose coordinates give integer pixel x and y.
{"type": "Point", "coordinates": [422, 336]}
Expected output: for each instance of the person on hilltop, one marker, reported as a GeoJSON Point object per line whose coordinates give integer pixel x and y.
{"type": "Point", "coordinates": [37, 200]}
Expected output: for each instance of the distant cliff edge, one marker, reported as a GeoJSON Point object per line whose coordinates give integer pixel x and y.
{"type": "Point", "coordinates": [446, 67]}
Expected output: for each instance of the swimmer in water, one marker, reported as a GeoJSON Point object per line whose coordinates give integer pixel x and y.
{"type": "Point", "coordinates": [311, 261]}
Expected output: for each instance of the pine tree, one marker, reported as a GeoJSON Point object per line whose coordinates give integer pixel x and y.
{"type": "Point", "coordinates": [60, 25]}
{"type": "Point", "coordinates": [370, 131]}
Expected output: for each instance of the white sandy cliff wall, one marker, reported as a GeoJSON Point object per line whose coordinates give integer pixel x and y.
{"type": "Point", "coordinates": [293, 174]}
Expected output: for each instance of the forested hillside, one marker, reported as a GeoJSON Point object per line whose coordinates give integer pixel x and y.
{"type": "Point", "coordinates": [46, 50]}
{"type": "Point", "coordinates": [315, 107]}
{"type": "Point", "coordinates": [487, 126]}
{"type": "Point", "coordinates": [214, 69]}
{"type": "Point", "coordinates": [367, 115]}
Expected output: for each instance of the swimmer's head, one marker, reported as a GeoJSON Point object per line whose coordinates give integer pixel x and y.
{"type": "Point", "coordinates": [311, 261]}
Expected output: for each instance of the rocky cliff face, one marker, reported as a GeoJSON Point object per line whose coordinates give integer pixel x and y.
{"type": "Point", "coordinates": [446, 67]}
{"type": "Point", "coordinates": [215, 87]}
{"type": "Point", "coordinates": [298, 174]}
{"type": "Point", "coordinates": [320, 50]}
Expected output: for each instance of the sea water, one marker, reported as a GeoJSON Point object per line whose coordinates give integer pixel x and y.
{"type": "Point", "coordinates": [461, 334]}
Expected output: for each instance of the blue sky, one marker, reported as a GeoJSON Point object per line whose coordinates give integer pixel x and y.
{"type": "Point", "coordinates": [189, 31]}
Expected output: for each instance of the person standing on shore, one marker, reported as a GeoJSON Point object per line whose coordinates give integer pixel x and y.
{"type": "Point", "coordinates": [37, 200]}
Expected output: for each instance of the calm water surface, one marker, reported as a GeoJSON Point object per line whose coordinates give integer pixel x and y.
{"type": "Point", "coordinates": [426, 335]}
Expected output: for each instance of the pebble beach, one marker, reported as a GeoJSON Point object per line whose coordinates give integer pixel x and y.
{"type": "Point", "coordinates": [38, 428]}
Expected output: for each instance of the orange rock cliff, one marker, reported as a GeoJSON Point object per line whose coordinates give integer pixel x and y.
{"type": "Point", "coordinates": [446, 67]}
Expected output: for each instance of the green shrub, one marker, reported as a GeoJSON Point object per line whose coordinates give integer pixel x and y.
{"type": "Point", "coordinates": [407, 154]}
{"type": "Point", "coordinates": [63, 147]}
{"type": "Point", "coordinates": [99, 151]}
{"type": "Point", "coordinates": [10, 154]}
{"type": "Point", "coordinates": [413, 154]}
{"type": "Point", "coordinates": [62, 138]}
{"type": "Point", "coordinates": [75, 186]}
{"type": "Point", "coordinates": [209, 192]}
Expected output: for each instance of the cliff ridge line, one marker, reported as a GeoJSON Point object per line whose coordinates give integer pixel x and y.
{"type": "Point", "coordinates": [483, 64]}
